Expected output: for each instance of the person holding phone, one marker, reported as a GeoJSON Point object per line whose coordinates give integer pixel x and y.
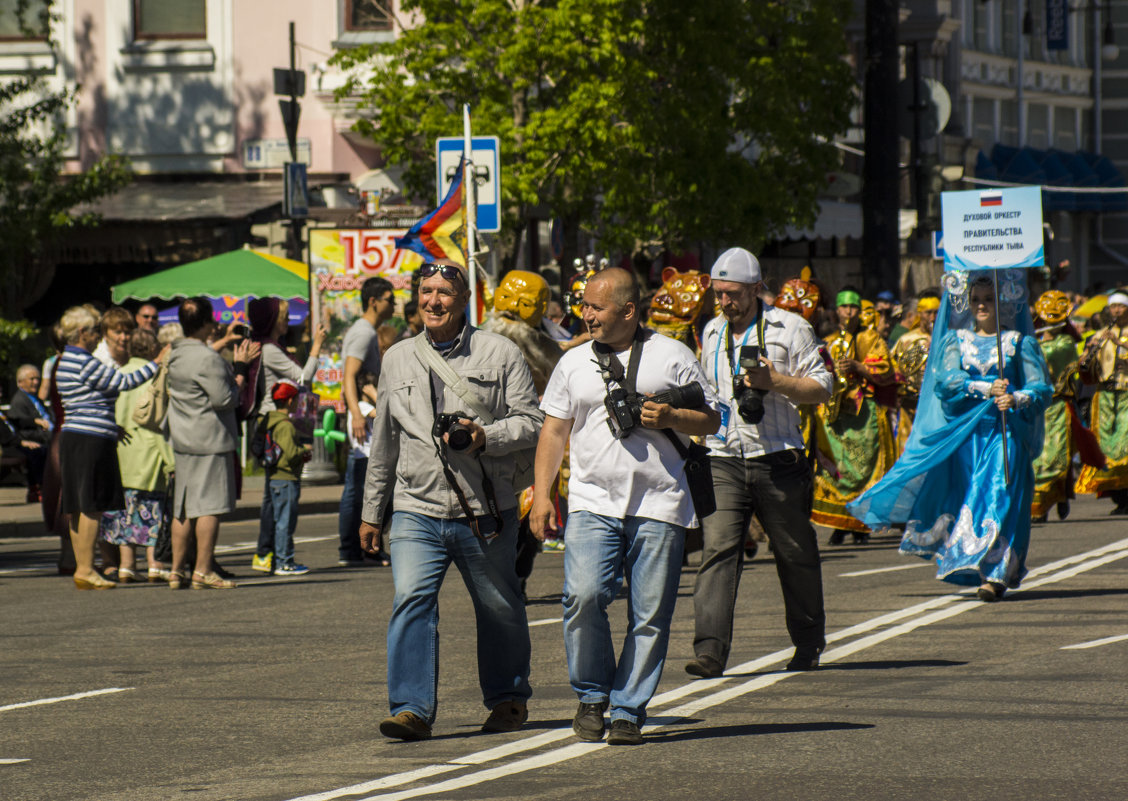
{"type": "Point", "coordinates": [762, 362]}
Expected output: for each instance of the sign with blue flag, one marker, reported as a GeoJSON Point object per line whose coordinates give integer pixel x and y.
{"type": "Point", "coordinates": [993, 228]}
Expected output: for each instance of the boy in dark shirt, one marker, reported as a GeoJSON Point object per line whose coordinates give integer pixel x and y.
{"type": "Point", "coordinates": [283, 480]}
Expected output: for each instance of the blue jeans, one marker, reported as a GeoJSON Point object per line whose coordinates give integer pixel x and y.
{"type": "Point", "coordinates": [348, 517]}
{"type": "Point", "coordinates": [422, 549]}
{"type": "Point", "coordinates": [266, 522]}
{"type": "Point", "coordinates": [284, 495]}
{"type": "Point", "coordinates": [601, 552]}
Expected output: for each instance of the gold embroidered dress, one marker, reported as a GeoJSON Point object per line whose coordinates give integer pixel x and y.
{"type": "Point", "coordinates": [853, 430]}
{"type": "Point", "coordinates": [1052, 468]}
{"type": "Point", "coordinates": [909, 355]}
{"type": "Point", "coordinates": [1107, 367]}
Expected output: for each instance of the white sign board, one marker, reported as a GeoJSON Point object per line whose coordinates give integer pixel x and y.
{"type": "Point", "coordinates": [487, 169]}
{"type": "Point", "coordinates": [259, 154]}
{"type": "Point", "coordinates": [993, 228]}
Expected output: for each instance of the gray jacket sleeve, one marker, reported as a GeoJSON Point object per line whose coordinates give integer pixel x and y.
{"type": "Point", "coordinates": [380, 478]}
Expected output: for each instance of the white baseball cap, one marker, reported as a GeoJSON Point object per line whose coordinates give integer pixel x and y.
{"type": "Point", "coordinates": [1118, 297]}
{"type": "Point", "coordinates": [736, 264]}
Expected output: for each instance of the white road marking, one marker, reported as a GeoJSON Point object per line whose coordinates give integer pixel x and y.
{"type": "Point", "coordinates": [235, 547]}
{"type": "Point", "coordinates": [75, 697]}
{"type": "Point", "coordinates": [547, 622]}
{"type": "Point", "coordinates": [1095, 643]}
{"type": "Point", "coordinates": [28, 568]}
{"type": "Point", "coordinates": [913, 617]}
{"type": "Point", "coordinates": [881, 570]}
{"type": "Point", "coordinates": [13, 761]}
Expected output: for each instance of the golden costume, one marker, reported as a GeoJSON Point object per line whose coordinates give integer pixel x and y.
{"type": "Point", "coordinates": [1105, 363]}
{"type": "Point", "coordinates": [853, 430]}
{"type": "Point", "coordinates": [910, 355]}
{"type": "Point", "coordinates": [677, 305]}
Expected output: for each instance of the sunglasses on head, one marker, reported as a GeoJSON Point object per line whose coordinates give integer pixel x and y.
{"type": "Point", "coordinates": [445, 270]}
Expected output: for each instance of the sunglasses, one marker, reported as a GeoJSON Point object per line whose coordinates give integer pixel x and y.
{"type": "Point", "coordinates": [445, 270]}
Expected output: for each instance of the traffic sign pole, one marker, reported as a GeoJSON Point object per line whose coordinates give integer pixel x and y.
{"type": "Point", "coordinates": [469, 186]}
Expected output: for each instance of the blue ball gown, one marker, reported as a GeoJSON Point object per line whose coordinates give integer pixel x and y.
{"type": "Point", "coordinates": [949, 488]}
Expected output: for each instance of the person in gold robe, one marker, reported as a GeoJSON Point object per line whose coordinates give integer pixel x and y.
{"type": "Point", "coordinates": [909, 355]}
{"type": "Point", "coordinates": [851, 428]}
{"type": "Point", "coordinates": [1105, 363]}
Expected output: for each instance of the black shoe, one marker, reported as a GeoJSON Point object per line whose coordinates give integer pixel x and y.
{"type": "Point", "coordinates": [623, 732]}
{"type": "Point", "coordinates": [751, 548]}
{"type": "Point", "coordinates": [838, 537]}
{"type": "Point", "coordinates": [588, 722]}
{"type": "Point", "coordinates": [861, 537]}
{"type": "Point", "coordinates": [1119, 510]}
{"type": "Point", "coordinates": [1063, 510]}
{"type": "Point", "coordinates": [1041, 518]}
{"type": "Point", "coordinates": [705, 667]}
{"type": "Point", "coordinates": [806, 658]}
{"type": "Point", "coordinates": [991, 591]}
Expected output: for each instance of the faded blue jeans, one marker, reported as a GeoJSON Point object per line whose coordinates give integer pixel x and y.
{"type": "Point", "coordinates": [284, 495]}
{"type": "Point", "coordinates": [422, 549]}
{"type": "Point", "coordinates": [601, 551]}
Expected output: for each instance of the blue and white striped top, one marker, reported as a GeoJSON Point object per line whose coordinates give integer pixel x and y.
{"type": "Point", "coordinates": [89, 389]}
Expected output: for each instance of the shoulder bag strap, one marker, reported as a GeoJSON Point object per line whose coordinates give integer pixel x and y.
{"type": "Point", "coordinates": [430, 358]}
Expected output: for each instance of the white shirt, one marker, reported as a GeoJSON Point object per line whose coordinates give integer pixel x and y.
{"type": "Point", "coordinates": [642, 475]}
{"type": "Point", "coordinates": [357, 448]}
{"type": "Point", "coordinates": [794, 350]}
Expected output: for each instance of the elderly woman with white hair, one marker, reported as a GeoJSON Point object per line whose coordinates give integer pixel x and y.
{"type": "Point", "coordinates": [91, 477]}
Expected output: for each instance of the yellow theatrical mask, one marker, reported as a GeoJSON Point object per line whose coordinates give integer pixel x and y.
{"type": "Point", "coordinates": [799, 296]}
{"type": "Point", "coordinates": [523, 295]}
{"type": "Point", "coordinates": [868, 316]}
{"type": "Point", "coordinates": [1053, 307]}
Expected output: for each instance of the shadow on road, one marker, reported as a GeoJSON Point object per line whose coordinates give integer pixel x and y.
{"type": "Point", "coordinates": [1044, 595]}
{"type": "Point", "coordinates": [751, 729]}
{"type": "Point", "coordinates": [888, 664]}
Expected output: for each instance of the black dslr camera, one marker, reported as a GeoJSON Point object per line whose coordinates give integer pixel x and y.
{"type": "Point", "coordinates": [624, 410]}
{"type": "Point", "coordinates": [459, 435]}
{"type": "Point", "coordinates": [749, 402]}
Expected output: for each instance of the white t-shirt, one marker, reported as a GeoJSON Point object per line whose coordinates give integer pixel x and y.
{"type": "Point", "coordinates": [357, 448]}
{"type": "Point", "coordinates": [642, 475]}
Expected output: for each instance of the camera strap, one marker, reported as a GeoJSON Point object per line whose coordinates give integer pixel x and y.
{"type": "Point", "coordinates": [730, 348]}
{"type": "Point", "coordinates": [612, 369]}
{"type": "Point", "coordinates": [452, 479]}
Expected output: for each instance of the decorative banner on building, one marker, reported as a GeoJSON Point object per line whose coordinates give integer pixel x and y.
{"type": "Point", "coordinates": [993, 228]}
{"type": "Point", "coordinates": [1057, 25]}
{"type": "Point", "coordinates": [340, 261]}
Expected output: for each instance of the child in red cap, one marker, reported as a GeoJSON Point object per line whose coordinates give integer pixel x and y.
{"type": "Point", "coordinates": [283, 480]}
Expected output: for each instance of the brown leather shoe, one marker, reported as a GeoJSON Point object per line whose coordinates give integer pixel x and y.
{"type": "Point", "coordinates": [405, 726]}
{"type": "Point", "coordinates": [506, 716]}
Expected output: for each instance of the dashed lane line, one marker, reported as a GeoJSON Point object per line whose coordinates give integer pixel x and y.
{"type": "Point", "coordinates": [1095, 643]}
{"type": "Point", "coordinates": [75, 697]}
{"type": "Point", "coordinates": [877, 570]}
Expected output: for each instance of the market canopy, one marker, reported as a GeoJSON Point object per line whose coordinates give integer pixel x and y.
{"type": "Point", "coordinates": [240, 273]}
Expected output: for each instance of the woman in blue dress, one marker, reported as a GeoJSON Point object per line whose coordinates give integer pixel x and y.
{"type": "Point", "coordinates": [949, 488]}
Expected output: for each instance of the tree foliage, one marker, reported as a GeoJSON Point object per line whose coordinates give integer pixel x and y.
{"type": "Point", "coordinates": [655, 122]}
{"type": "Point", "coordinates": [37, 200]}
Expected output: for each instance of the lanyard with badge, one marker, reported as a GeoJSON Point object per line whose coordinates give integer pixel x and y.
{"type": "Point", "coordinates": [730, 350]}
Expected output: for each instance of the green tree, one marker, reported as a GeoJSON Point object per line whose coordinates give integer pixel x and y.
{"type": "Point", "coordinates": [653, 122]}
{"type": "Point", "coordinates": [37, 200]}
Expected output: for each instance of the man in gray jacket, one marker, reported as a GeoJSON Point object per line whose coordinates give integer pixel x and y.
{"type": "Point", "coordinates": [449, 475]}
{"type": "Point", "coordinates": [202, 394]}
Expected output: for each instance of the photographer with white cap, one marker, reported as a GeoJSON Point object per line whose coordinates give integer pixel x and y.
{"type": "Point", "coordinates": [762, 362]}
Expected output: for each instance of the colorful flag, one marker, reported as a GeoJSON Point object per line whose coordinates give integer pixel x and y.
{"type": "Point", "coordinates": [442, 233]}
{"type": "Point", "coordinates": [990, 198]}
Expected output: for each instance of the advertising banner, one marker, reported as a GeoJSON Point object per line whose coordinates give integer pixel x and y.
{"type": "Point", "coordinates": [1057, 25]}
{"type": "Point", "coordinates": [340, 261]}
{"type": "Point", "coordinates": [231, 309]}
{"type": "Point", "coordinates": [993, 228]}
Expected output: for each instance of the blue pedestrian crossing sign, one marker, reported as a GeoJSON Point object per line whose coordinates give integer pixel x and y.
{"type": "Point", "coordinates": [487, 174]}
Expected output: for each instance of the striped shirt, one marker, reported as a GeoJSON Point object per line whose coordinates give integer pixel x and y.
{"type": "Point", "coordinates": [89, 389]}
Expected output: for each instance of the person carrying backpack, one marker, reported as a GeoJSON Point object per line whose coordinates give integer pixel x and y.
{"type": "Point", "coordinates": [280, 453]}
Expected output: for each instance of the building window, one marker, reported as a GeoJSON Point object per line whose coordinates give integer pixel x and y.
{"type": "Point", "coordinates": [160, 19]}
{"type": "Point", "coordinates": [29, 23]}
{"type": "Point", "coordinates": [368, 15]}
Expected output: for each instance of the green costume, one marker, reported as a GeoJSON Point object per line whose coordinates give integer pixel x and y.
{"type": "Point", "coordinates": [1053, 481]}
{"type": "Point", "coordinates": [1106, 364]}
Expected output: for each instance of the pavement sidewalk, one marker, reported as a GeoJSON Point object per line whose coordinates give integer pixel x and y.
{"type": "Point", "coordinates": [19, 519]}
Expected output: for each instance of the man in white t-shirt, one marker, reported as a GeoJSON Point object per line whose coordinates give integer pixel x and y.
{"type": "Point", "coordinates": [628, 500]}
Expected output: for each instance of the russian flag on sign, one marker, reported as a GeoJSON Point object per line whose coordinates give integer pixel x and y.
{"type": "Point", "coordinates": [990, 199]}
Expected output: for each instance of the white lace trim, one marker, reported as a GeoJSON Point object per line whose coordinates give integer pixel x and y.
{"type": "Point", "coordinates": [979, 389]}
{"type": "Point", "coordinates": [1023, 398]}
{"type": "Point", "coordinates": [961, 535]}
{"type": "Point", "coordinates": [969, 352]}
{"type": "Point", "coordinates": [926, 538]}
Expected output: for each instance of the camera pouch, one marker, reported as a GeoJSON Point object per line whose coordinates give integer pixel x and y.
{"type": "Point", "coordinates": [698, 475]}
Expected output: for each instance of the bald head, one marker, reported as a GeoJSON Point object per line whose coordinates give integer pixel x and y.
{"type": "Point", "coordinates": [622, 285]}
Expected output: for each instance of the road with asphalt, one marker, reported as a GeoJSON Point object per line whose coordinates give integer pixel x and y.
{"type": "Point", "coordinates": [274, 690]}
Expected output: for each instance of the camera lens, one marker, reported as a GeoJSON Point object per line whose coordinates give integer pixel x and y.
{"type": "Point", "coordinates": [459, 437]}
{"type": "Point", "coordinates": [751, 407]}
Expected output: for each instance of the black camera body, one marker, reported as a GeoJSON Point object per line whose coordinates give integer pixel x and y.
{"type": "Point", "coordinates": [624, 409]}
{"type": "Point", "coordinates": [459, 435]}
{"type": "Point", "coordinates": [749, 402]}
